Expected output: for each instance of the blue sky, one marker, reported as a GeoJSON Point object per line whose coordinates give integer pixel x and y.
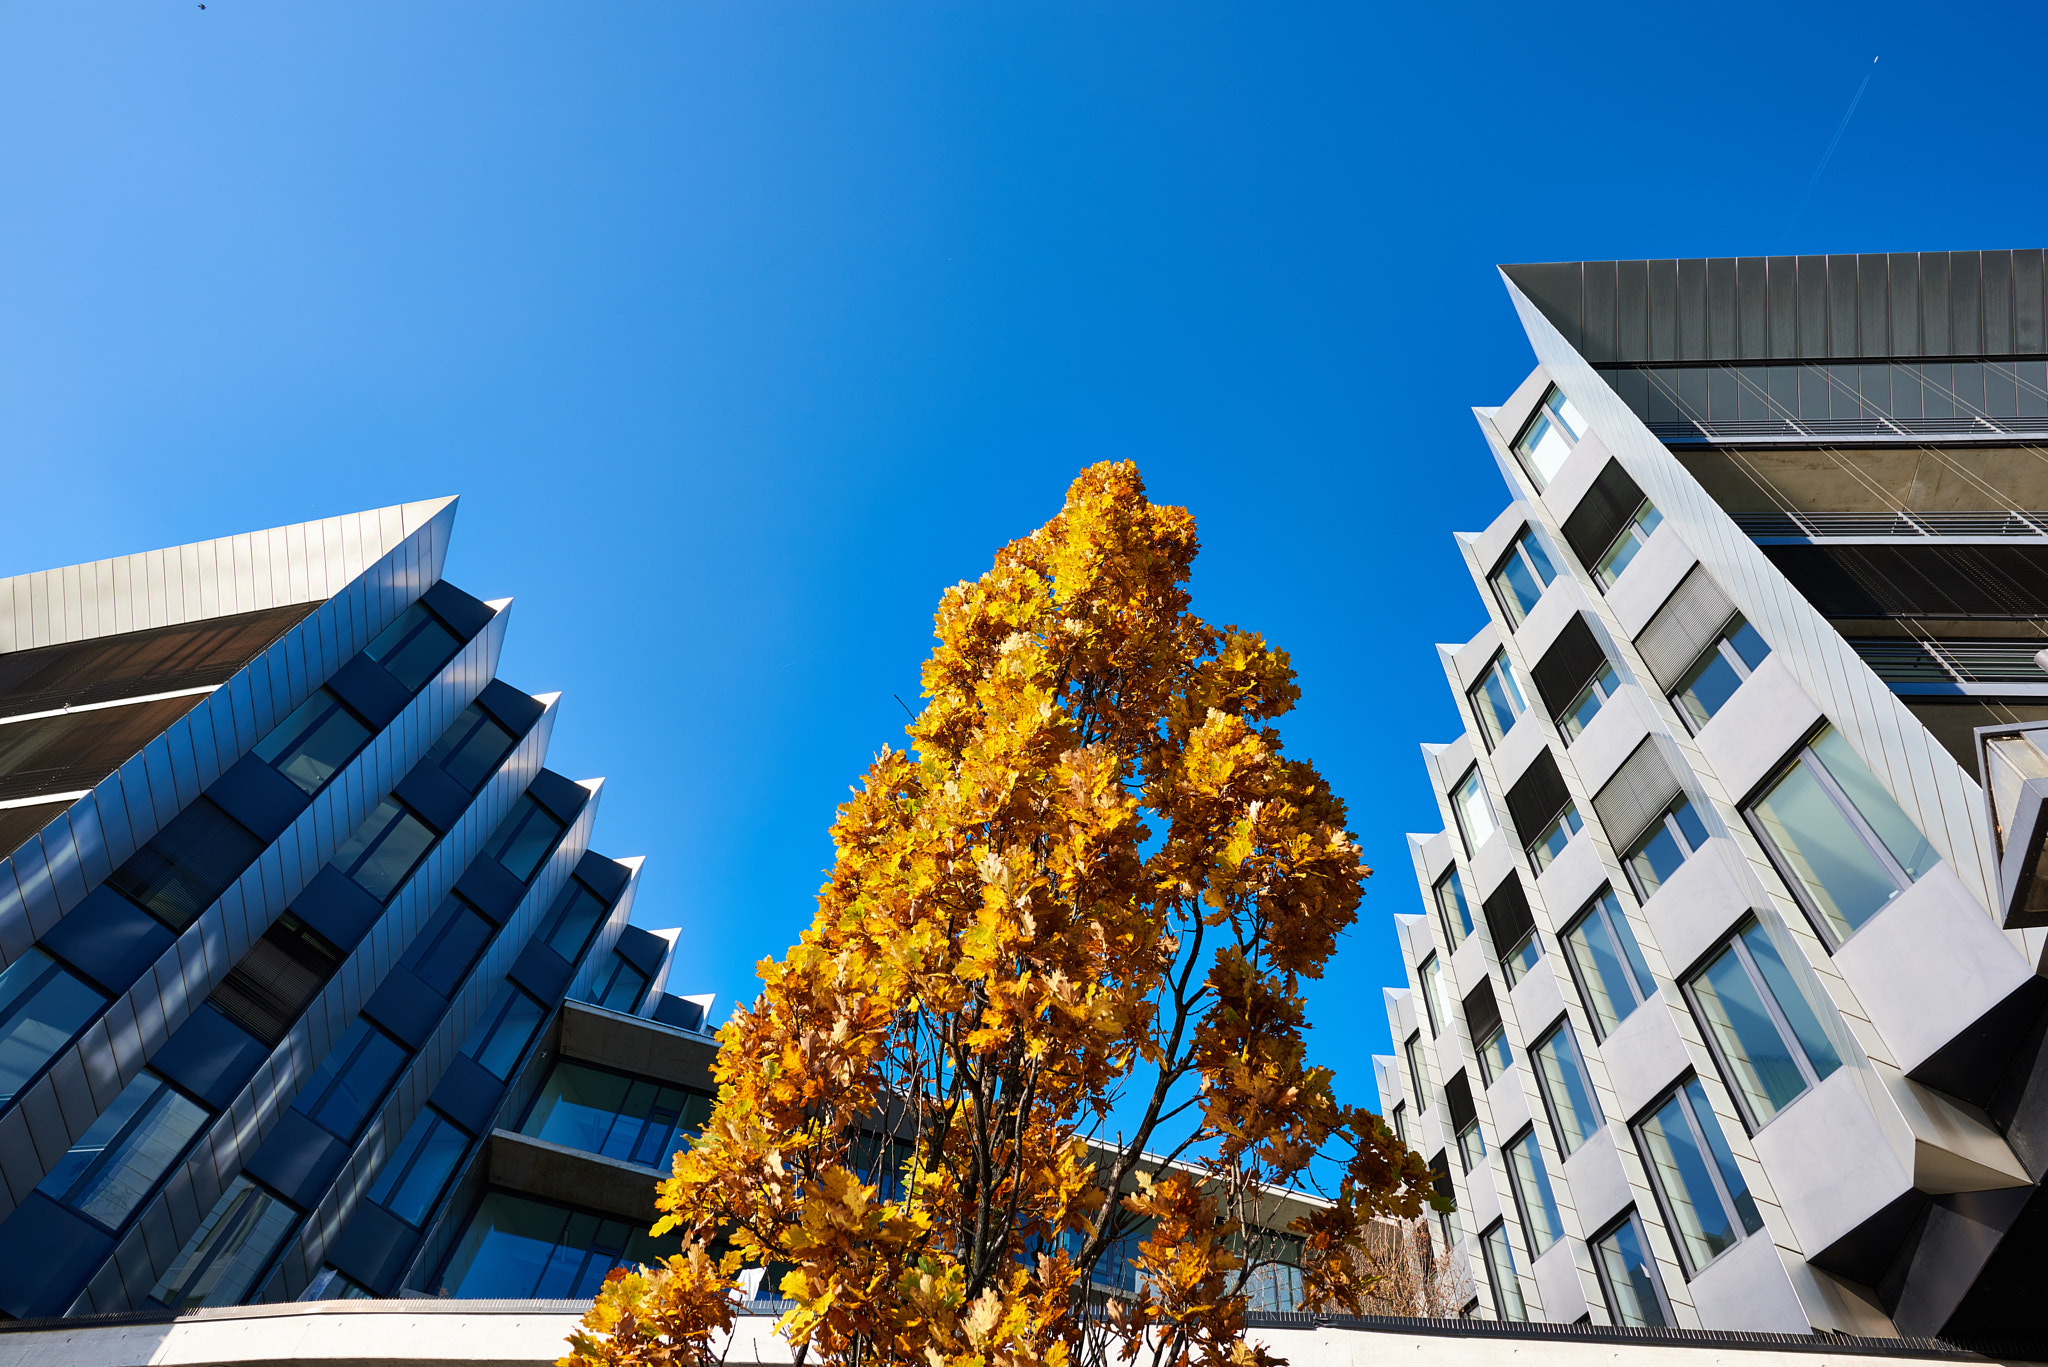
{"type": "Point", "coordinates": [745, 329]}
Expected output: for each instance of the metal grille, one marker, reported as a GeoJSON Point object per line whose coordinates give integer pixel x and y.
{"type": "Point", "coordinates": [1790, 429]}
{"type": "Point", "coordinates": [1969, 662]}
{"type": "Point", "coordinates": [1836, 524]}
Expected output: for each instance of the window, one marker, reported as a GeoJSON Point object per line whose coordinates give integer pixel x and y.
{"type": "Point", "coordinates": [1456, 912]}
{"type": "Point", "coordinates": [1607, 963]}
{"type": "Point", "coordinates": [115, 1164]}
{"type": "Point", "coordinates": [1706, 1201]}
{"type": "Point", "coordinates": [1587, 705]}
{"type": "Point", "coordinates": [1635, 1296]}
{"type": "Point", "coordinates": [577, 919]}
{"type": "Point", "coordinates": [229, 1250]}
{"type": "Point", "coordinates": [1418, 1071]}
{"type": "Point", "coordinates": [1522, 956]}
{"type": "Point", "coordinates": [349, 1081]}
{"type": "Point", "coordinates": [1670, 840]}
{"type": "Point", "coordinates": [187, 864]}
{"type": "Point", "coordinates": [1567, 1091]}
{"type": "Point", "coordinates": [413, 648]}
{"type": "Point", "coordinates": [1501, 1274]}
{"type": "Point", "coordinates": [451, 947]}
{"type": "Point", "coordinates": [524, 838]}
{"type": "Point", "coordinates": [1471, 1145]}
{"type": "Point", "coordinates": [1842, 844]}
{"type": "Point", "coordinates": [470, 749]}
{"type": "Point", "coordinates": [1549, 437]}
{"type": "Point", "coordinates": [1521, 577]}
{"type": "Point", "coordinates": [1431, 973]}
{"type": "Point", "coordinates": [419, 1169]}
{"type": "Point", "coordinates": [283, 970]}
{"type": "Point", "coordinates": [1497, 700]}
{"type": "Point", "coordinates": [619, 987]}
{"type": "Point", "coordinates": [521, 1249]}
{"type": "Point", "coordinates": [1627, 543]}
{"type": "Point", "coordinates": [1474, 812]}
{"type": "Point", "coordinates": [1533, 1198]}
{"type": "Point", "coordinates": [503, 1034]}
{"type": "Point", "coordinates": [1763, 1030]}
{"type": "Point", "coordinates": [631, 1119]}
{"type": "Point", "coordinates": [42, 1009]}
{"type": "Point", "coordinates": [1550, 844]}
{"type": "Point", "coordinates": [1401, 1121]}
{"type": "Point", "coordinates": [314, 741]}
{"type": "Point", "coordinates": [385, 849]}
{"type": "Point", "coordinates": [1495, 1058]}
{"type": "Point", "coordinates": [1713, 679]}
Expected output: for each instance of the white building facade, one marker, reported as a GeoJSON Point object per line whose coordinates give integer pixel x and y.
{"type": "Point", "coordinates": [1724, 1010]}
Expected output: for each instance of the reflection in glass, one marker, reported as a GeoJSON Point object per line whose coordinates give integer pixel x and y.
{"type": "Point", "coordinates": [1501, 1275]}
{"type": "Point", "coordinates": [1566, 1089]}
{"type": "Point", "coordinates": [1587, 705]}
{"type": "Point", "coordinates": [41, 1008]}
{"type": "Point", "coordinates": [1608, 963]}
{"type": "Point", "coordinates": [521, 1249]}
{"type": "Point", "coordinates": [1533, 1196]}
{"type": "Point", "coordinates": [115, 1164]}
{"type": "Point", "coordinates": [630, 1119]}
{"type": "Point", "coordinates": [1631, 1277]}
{"type": "Point", "coordinates": [230, 1249]}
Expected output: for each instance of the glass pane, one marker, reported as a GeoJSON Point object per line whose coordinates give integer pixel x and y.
{"type": "Point", "coordinates": [1450, 899]}
{"type": "Point", "coordinates": [454, 949]}
{"type": "Point", "coordinates": [1631, 1279]}
{"type": "Point", "coordinates": [1655, 859]}
{"type": "Point", "coordinates": [574, 924]}
{"type": "Point", "coordinates": [1842, 876]}
{"type": "Point", "coordinates": [1495, 1057]}
{"type": "Point", "coordinates": [577, 1108]}
{"type": "Point", "coordinates": [1748, 644]}
{"type": "Point", "coordinates": [1761, 1060]}
{"type": "Point", "coordinates": [41, 1008]}
{"type": "Point", "coordinates": [1471, 1146]}
{"type": "Point", "coordinates": [507, 1035]}
{"type": "Point", "coordinates": [413, 1180]}
{"type": "Point", "coordinates": [1704, 1226]}
{"type": "Point", "coordinates": [525, 838]}
{"type": "Point", "coordinates": [115, 1164]}
{"type": "Point", "coordinates": [1732, 1180]}
{"type": "Point", "coordinates": [1432, 985]}
{"type": "Point", "coordinates": [1706, 687]}
{"type": "Point", "coordinates": [1566, 414]}
{"type": "Point", "coordinates": [1538, 561]}
{"type": "Point", "coordinates": [413, 648]}
{"type": "Point", "coordinates": [1475, 814]}
{"type": "Point", "coordinates": [2010, 761]}
{"type": "Point", "coordinates": [1500, 1270]}
{"type": "Point", "coordinates": [1791, 1001]}
{"type": "Point", "coordinates": [1555, 837]}
{"type": "Point", "coordinates": [314, 741]}
{"type": "Point", "coordinates": [1608, 996]}
{"type": "Point", "coordinates": [1532, 1186]}
{"type": "Point", "coordinates": [1523, 957]}
{"type": "Point", "coordinates": [1587, 705]}
{"type": "Point", "coordinates": [392, 855]}
{"type": "Point", "coordinates": [1625, 936]}
{"type": "Point", "coordinates": [622, 993]}
{"type": "Point", "coordinates": [1544, 450]}
{"type": "Point", "coordinates": [1875, 805]}
{"type": "Point", "coordinates": [470, 749]}
{"type": "Point", "coordinates": [1566, 1088]}
{"type": "Point", "coordinates": [230, 1249]}
{"type": "Point", "coordinates": [352, 1079]}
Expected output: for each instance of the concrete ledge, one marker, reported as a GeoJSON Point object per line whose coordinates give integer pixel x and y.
{"type": "Point", "coordinates": [572, 1177]}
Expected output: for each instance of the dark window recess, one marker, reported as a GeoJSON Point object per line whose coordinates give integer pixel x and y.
{"type": "Point", "coordinates": [351, 1080]}
{"type": "Point", "coordinates": [524, 838]}
{"type": "Point", "coordinates": [1568, 666]}
{"type": "Point", "coordinates": [74, 751]}
{"type": "Point", "coordinates": [160, 660]}
{"type": "Point", "coordinates": [581, 913]}
{"type": "Point", "coordinates": [1538, 795]}
{"type": "Point", "coordinates": [314, 741]}
{"type": "Point", "coordinates": [619, 987]}
{"type": "Point", "coordinates": [1508, 917]}
{"type": "Point", "coordinates": [187, 864]}
{"type": "Point", "coordinates": [1997, 582]}
{"type": "Point", "coordinates": [410, 1184]}
{"type": "Point", "coordinates": [413, 648]}
{"type": "Point", "coordinates": [282, 972]}
{"type": "Point", "coordinates": [451, 947]}
{"type": "Point", "coordinates": [1482, 1012]}
{"type": "Point", "coordinates": [470, 749]}
{"type": "Point", "coordinates": [385, 849]}
{"type": "Point", "coordinates": [1458, 1098]}
{"type": "Point", "coordinates": [1602, 513]}
{"type": "Point", "coordinates": [501, 1037]}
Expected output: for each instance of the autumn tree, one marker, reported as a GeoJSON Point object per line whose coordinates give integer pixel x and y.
{"type": "Point", "coordinates": [1093, 888]}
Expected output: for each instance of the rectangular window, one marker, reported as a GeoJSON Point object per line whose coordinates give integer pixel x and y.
{"type": "Point", "coordinates": [42, 1009]}
{"type": "Point", "coordinates": [576, 919]}
{"type": "Point", "coordinates": [1495, 1058]}
{"type": "Point", "coordinates": [1713, 679]}
{"type": "Point", "coordinates": [1567, 1091]}
{"type": "Point", "coordinates": [1670, 840]}
{"type": "Point", "coordinates": [1520, 578]}
{"type": "Point", "coordinates": [1549, 438]}
{"type": "Point", "coordinates": [229, 1250]}
{"type": "Point", "coordinates": [472, 748]}
{"type": "Point", "coordinates": [281, 973]}
{"type": "Point", "coordinates": [1501, 1274]}
{"type": "Point", "coordinates": [521, 1249]}
{"type": "Point", "coordinates": [1587, 705]}
{"type": "Point", "coordinates": [310, 745]}
{"type": "Point", "coordinates": [631, 1119]}
{"type": "Point", "coordinates": [1418, 1071]}
{"type": "Point", "coordinates": [1475, 814]}
{"type": "Point", "coordinates": [413, 648]}
{"type": "Point", "coordinates": [1431, 974]}
{"type": "Point", "coordinates": [1401, 1121]}
{"type": "Point", "coordinates": [1627, 543]}
{"type": "Point", "coordinates": [418, 1171]}
{"type": "Point", "coordinates": [1628, 1275]}
{"type": "Point", "coordinates": [1452, 907]}
{"type": "Point", "coordinates": [1842, 844]}
{"type": "Point", "coordinates": [1763, 1030]}
{"type": "Point", "coordinates": [385, 849]}
{"type": "Point", "coordinates": [187, 864]}
{"type": "Point", "coordinates": [1551, 842]}
{"type": "Point", "coordinates": [1497, 700]}
{"type": "Point", "coordinates": [1523, 955]}
{"type": "Point", "coordinates": [619, 988]}
{"type": "Point", "coordinates": [1534, 1201]}
{"type": "Point", "coordinates": [116, 1163]}
{"type": "Point", "coordinates": [501, 1037]}
{"type": "Point", "coordinates": [1607, 963]}
{"type": "Point", "coordinates": [1706, 1200]}
{"type": "Point", "coordinates": [351, 1080]}
{"type": "Point", "coordinates": [524, 838]}
{"type": "Point", "coordinates": [451, 946]}
{"type": "Point", "coordinates": [1471, 1145]}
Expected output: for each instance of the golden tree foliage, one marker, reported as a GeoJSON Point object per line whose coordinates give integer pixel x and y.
{"type": "Point", "coordinates": [1097, 884]}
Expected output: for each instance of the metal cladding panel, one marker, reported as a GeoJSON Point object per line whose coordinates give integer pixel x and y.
{"type": "Point", "coordinates": [1997, 268]}
{"type": "Point", "coordinates": [1904, 296]}
{"type": "Point", "coordinates": [1934, 305]}
{"type": "Point", "coordinates": [1943, 801]}
{"type": "Point", "coordinates": [1692, 305]}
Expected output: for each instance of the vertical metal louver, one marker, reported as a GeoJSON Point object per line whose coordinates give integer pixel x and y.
{"type": "Point", "coordinates": [1686, 625]}
{"type": "Point", "coordinates": [1637, 794]}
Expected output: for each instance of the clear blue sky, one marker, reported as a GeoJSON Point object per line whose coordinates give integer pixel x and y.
{"type": "Point", "coordinates": [744, 329]}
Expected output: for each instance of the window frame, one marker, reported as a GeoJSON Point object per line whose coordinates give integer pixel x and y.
{"type": "Point", "coordinates": [1466, 1158]}
{"type": "Point", "coordinates": [1472, 777]}
{"type": "Point", "coordinates": [1668, 822]}
{"type": "Point", "coordinates": [1491, 1068]}
{"type": "Point", "coordinates": [1453, 939]}
{"type": "Point", "coordinates": [1535, 565]}
{"type": "Point", "coordinates": [1642, 524]}
{"type": "Point", "coordinates": [1522, 956]}
{"type": "Point", "coordinates": [1484, 713]}
{"type": "Point", "coordinates": [1597, 909]}
{"type": "Point", "coordinates": [1400, 1118]}
{"type": "Point", "coordinates": [1494, 1276]}
{"type": "Point", "coordinates": [1569, 725]}
{"type": "Point", "coordinates": [372, 1032]}
{"type": "Point", "coordinates": [276, 755]}
{"type": "Point", "coordinates": [1432, 1008]}
{"type": "Point", "coordinates": [1416, 1066]}
{"type": "Point", "coordinates": [1774, 1011]}
{"type": "Point", "coordinates": [13, 1012]}
{"type": "Point", "coordinates": [370, 850]}
{"type": "Point", "coordinates": [398, 1169]}
{"type": "Point", "coordinates": [1550, 410]}
{"type": "Point", "coordinates": [1563, 828]}
{"type": "Point", "coordinates": [1540, 1178]}
{"type": "Point", "coordinates": [118, 1150]}
{"type": "Point", "coordinates": [1737, 1222]}
{"type": "Point", "coordinates": [1562, 1030]}
{"type": "Point", "coordinates": [484, 1037]}
{"type": "Point", "coordinates": [1722, 648]}
{"type": "Point", "coordinates": [1630, 1217]}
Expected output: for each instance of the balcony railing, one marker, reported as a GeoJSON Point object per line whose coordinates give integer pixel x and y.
{"type": "Point", "coordinates": [1818, 525]}
{"type": "Point", "coordinates": [1899, 661]}
{"type": "Point", "coordinates": [1851, 429]}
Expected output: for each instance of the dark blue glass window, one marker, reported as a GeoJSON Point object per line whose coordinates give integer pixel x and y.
{"type": "Point", "coordinates": [188, 864]}
{"type": "Point", "coordinates": [470, 749]}
{"type": "Point", "coordinates": [42, 1009]}
{"type": "Point", "coordinates": [524, 838]}
{"type": "Point", "coordinates": [351, 1079]}
{"type": "Point", "coordinates": [116, 1163]}
{"type": "Point", "coordinates": [501, 1037]}
{"type": "Point", "coordinates": [572, 926]}
{"type": "Point", "coordinates": [309, 745]}
{"type": "Point", "coordinates": [620, 988]}
{"type": "Point", "coordinates": [413, 648]}
{"type": "Point", "coordinates": [385, 849]}
{"type": "Point", "coordinates": [419, 1170]}
{"type": "Point", "coordinates": [630, 1119]}
{"type": "Point", "coordinates": [451, 947]}
{"type": "Point", "coordinates": [521, 1249]}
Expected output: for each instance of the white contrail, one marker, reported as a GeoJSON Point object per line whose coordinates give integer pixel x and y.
{"type": "Point", "coordinates": [1833, 142]}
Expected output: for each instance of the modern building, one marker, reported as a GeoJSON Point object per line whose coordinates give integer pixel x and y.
{"type": "Point", "coordinates": [313, 984]}
{"type": "Point", "coordinates": [1725, 1006]}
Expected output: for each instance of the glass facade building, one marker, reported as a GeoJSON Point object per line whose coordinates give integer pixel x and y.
{"type": "Point", "coordinates": [1765, 621]}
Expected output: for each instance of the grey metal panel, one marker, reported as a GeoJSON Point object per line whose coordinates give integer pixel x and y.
{"type": "Point", "coordinates": [18, 1164]}
{"type": "Point", "coordinates": [2028, 305]}
{"type": "Point", "coordinates": [1873, 295]}
{"type": "Point", "coordinates": [1997, 302]}
{"type": "Point", "coordinates": [125, 1038]}
{"type": "Point", "coordinates": [74, 1094]}
{"type": "Point", "coordinates": [1904, 272]}
{"type": "Point", "coordinates": [1663, 334]}
{"type": "Point", "coordinates": [137, 1275]}
{"type": "Point", "coordinates": [1842, 332]}
{"type": "Point", "coordinates": [90, 839]}
{"type": "Point", "coordinates": [1632, 308]}
{"type": "Point", "coordinates": [112, 805]}
{"type": "Point", "coordinates": [45, 1122]}
{"type": "Point", "coordinates": [1692, 311]}
{"type": "Point", "coordinates": [1597, 341]}
{"type": "Point", "coordinates": [1752, 313]}
{"type": "Point", "coordinates": [101, 1070]}
{"type": "Point", "coordinates": [38, 894]}
{"type": "Point", "coordinates": [1556, 288]}
{"type": "Point", "coordinates": [1966, 297]}
{"type": "Point", "coordinates": [61, 850]}
{"type": "Point", "coordinates": [1813, 307]}
{"type": "Point", "coordinates": [106, 1295]}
